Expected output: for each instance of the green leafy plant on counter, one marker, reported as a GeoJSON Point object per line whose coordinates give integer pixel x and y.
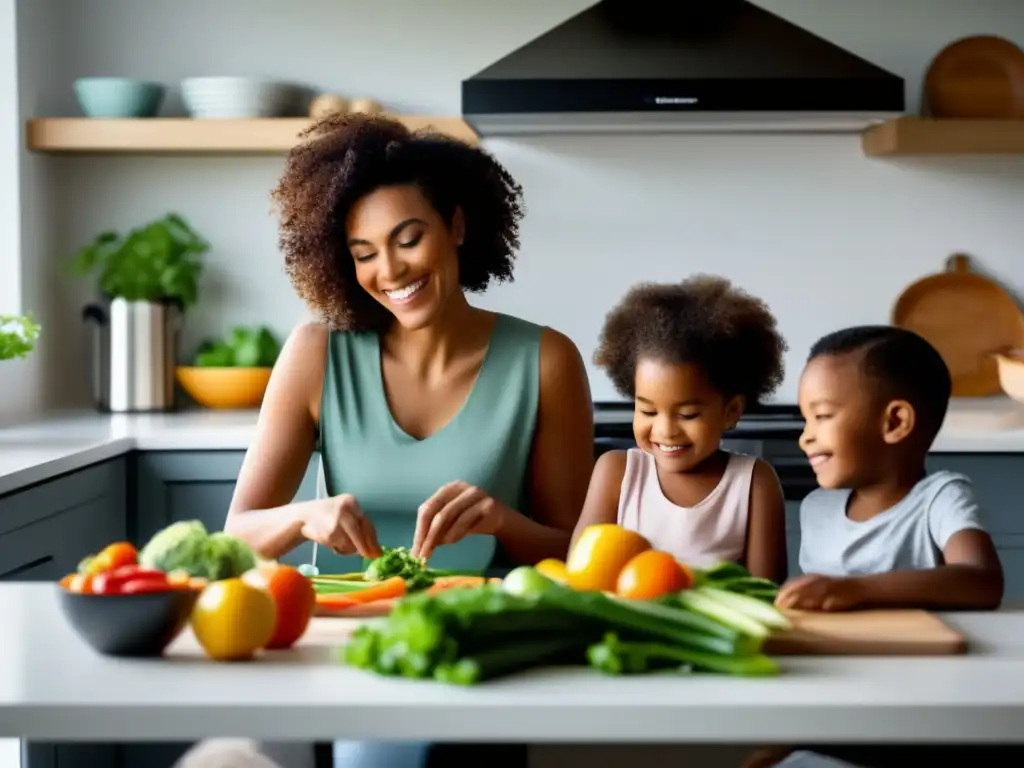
{"type": "Point", "coordinates": [244, 347]}
{"type": "Point", "coordinates": [157, 262]}
{"type": "Point", "coordinates": [18, 336]}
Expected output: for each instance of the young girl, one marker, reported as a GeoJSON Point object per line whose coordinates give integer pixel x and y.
{"type": "Point", "coordinates": [692, 356]}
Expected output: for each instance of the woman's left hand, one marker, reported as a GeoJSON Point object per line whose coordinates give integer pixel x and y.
{"type": "Point", "coordinates": [457, 510]}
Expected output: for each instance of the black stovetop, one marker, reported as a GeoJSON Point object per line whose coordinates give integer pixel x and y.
{"type": "Point", "coordinates": [780, 421]}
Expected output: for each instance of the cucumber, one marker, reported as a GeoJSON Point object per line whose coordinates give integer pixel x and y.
{"type": "Point", "coordinates": [756, 609]}
{"type": "Point", "coordinates": [700, 603]}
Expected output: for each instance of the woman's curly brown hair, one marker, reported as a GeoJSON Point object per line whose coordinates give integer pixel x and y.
{"type": "Point", "coordinates": [730, 335]}
{"type": "Point", "coordinates": [343, 157]}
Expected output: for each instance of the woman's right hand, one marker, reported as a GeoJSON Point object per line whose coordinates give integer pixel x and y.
{"type": "Point", "coordinates": [338, 522]}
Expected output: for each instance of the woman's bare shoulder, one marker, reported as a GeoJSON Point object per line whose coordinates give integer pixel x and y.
{"type": "Point", "coordinates": [303, 360]}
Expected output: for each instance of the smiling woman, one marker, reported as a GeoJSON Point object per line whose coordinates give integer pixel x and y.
{"type": "Point", "coordinates": [464, 434]}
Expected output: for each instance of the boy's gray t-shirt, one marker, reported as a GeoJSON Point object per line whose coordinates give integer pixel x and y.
{"type": "Point", "coordinates": [910, 535]}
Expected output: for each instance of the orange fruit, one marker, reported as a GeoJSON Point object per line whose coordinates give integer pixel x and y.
{"type": "Point", "coordinates": [600, 553]}
{"type": "Point", "coordinates": [652, 574]}
{"type": "Point", "coordinates": [233, 619]}
{"type": "Point", "coordinates": [294, 597]}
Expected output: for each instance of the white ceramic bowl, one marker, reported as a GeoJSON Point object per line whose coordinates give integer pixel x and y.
{"type": "Point", "coordinates": [235, 97]}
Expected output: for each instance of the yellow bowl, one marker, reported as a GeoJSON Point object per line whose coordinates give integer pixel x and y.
{"type": "Point", "coordinates": [225, 388]}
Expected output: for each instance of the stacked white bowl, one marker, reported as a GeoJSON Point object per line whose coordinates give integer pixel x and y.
{"type": "Point", "coordinates": [236, 97]}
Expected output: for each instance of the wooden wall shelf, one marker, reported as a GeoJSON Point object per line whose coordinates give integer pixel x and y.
{"type": "Point", "coordinates": [185, 136]}
{"type": "Point", "coordinates": [920, 136]}
{"type": "Point", "coordinates": [903, 137]}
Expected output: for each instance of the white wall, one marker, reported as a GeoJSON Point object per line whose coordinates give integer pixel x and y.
{"type": "Point", "coordinates": [31, 69]}
{"type": "Point", "coordinates": [825, 235]}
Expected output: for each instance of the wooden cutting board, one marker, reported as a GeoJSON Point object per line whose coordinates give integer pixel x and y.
{"type": "Point", "coordinates": [854, 633]}
{"type": "Point", "coordinates": [867, 633]}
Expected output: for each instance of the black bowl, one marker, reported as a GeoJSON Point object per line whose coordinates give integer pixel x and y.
{"type": "Point", "coordinates": [129, 625]}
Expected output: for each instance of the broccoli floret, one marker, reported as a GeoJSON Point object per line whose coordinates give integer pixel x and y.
{"type": "Point", "coordinates": [179, 546]}
{"type": "Point", "coordinates": [187, 546]}
{"type": "Point", "coordinates": [227, 556]}
{"type": "Point", "coordinates": [393, 562]}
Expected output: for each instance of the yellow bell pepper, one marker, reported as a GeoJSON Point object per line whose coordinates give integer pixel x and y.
{"type": "Point", "coordinates": [600, 553]}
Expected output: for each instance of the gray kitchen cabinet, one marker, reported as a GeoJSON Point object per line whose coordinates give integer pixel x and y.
{"type": "Point", "coordinates": [998, 480]}
{"type": "Point", "coordinates": [196, 485]}
{"type": "Point", "coordinates": [47, 528]}
{"type": "Point", "coordinates": [44, 531]}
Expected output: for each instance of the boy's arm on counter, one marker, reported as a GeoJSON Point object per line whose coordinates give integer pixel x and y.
{"type": "Point", "coordinates": [969, 577]}
{"type": "Point", "coordinates": [972, 577]}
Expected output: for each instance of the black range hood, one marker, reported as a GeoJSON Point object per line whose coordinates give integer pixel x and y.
{"type": "Point", "coordinates": [669, 66]}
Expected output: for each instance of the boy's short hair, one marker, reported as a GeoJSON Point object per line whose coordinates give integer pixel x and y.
{"type": "Point", "coordinates": [902, 363]}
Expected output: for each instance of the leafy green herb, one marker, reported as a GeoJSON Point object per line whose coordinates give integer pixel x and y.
{"type": "Point", "coordinates": [158, 261]}
{"type": "Point", "coordinates": [18, 336]}
{"type": "Point", "coordinates": [394, 561]}
{"type": "Point", "coordinates": [244, 347]}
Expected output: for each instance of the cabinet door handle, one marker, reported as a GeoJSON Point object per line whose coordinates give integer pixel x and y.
{"type": "Point", "coordinates": [27, 566]}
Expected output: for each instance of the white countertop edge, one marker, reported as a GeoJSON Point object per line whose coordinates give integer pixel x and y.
{"type": "Point", "coordinates": [657, 723]}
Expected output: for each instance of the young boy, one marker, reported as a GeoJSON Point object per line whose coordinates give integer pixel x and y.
{"type": "Point", "coordinates": [881, 531]}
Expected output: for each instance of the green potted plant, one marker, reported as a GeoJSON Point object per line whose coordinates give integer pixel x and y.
{"type": "Point", "coordinates": [18, 336]}
{"type": "Point", "coordinates": [158, 262]}
{"type": "Point", "coordinates": [148, 278]}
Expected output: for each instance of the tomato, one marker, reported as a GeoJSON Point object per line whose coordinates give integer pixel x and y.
{"type": "Point", "coordinates": [139, 586]}
{"type": "Point", "coordinates": [233, 619]}
{"type": "Point", "coordinates": [652, 574]}
{"type": "Point", "coordinates": [113, 582]}
{"type": "Point", "coordinates": [553, 568]}
{"type": "Point", "coordinates": [600, 553]}
{"type": "Point", "coordinates": [294, 597]}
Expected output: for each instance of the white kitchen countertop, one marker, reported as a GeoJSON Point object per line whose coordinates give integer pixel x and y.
{"type": "Point", "coordinates": [63, 442]}
{"type": "Point", "coordinates": [54, 687]}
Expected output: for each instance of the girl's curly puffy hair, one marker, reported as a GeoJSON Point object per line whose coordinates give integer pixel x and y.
{"type": "Point", "coordinates": [705, 320]}
{"type": "Point", "coordinates": [343, 157]}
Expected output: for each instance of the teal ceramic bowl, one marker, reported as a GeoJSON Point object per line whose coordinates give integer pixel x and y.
{"type": "Point", "coordinates": [118, 97]}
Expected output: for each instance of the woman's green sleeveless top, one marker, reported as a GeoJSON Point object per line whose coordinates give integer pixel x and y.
{"type": "Point", "coordinates": [487, 444]}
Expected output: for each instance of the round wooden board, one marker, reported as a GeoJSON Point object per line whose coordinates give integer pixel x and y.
{"type": "Point", "coordinates": [968, 318]}
{"type": "Point", "coordinates": [979, 77]}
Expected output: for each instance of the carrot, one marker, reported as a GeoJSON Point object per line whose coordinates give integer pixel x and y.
{"type": "Point", "coordinates": [382, 590]}
{"type": "Point", "coordinates": [448, 582]}
{"type": "Point", "coordinates": [335, 600]}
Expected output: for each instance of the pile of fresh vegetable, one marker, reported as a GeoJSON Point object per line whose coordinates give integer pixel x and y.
{"type": "Point", "coordinates": [115, 570]}
{"type": "Point", "coordinates": [616, 604]}
{"type": "Point", "coordinates": [182, 553]}
{"type": "Point", "coordinates": [467, 636]}
{"type": "Point", "coordinates": [394, 574]}
{"type": "Point", "coordinates": [245, 605]}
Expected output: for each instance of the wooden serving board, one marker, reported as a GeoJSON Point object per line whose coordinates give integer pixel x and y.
{"type": "Point", "coordinates": [867, 633]}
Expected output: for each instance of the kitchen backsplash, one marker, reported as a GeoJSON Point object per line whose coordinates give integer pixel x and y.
{"type": "Point", "coordinates": [825, 235]}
